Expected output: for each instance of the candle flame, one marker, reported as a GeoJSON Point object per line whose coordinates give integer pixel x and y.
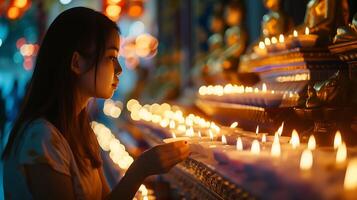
{"type": "Point", "coordinates": [199, 134]}
{"type": "Point", "coordinates": [341, 154]}
{"type": "Point", "coordinates": [224, 139]}
{"type": "Point", "coordinates": [295, 140]}
{"type": "Point", "coordinates": [307, 31]}
{"type": "Point", "coordinates": [280, 130]}
{"type": "Point", "coordinates": [210, 135]}
{"type": "Point", "coordinates": [281, 38]}
{"type": "Point", "coordinates": [306, 160]}
{"type": "Point", "coordinates": [261, 45]}
{"type": "Point", "coordinates": [257, 130]}
{"type": "Point", "coordinates": [338, 140]}
{"type": "Point", "coordinates": [274, 40]}
{"type": "Point", "coordinates": [350, 182]}
{"type": "Point", "coordinates": [189, 132]}
{"type": "Point", "coordinates": [239, 145]}
{"type": "Point", "coordinates": [276, 138]}
{"type": "Point", "coordinates": [234, 125]}
{"type": "Point", "coordinates": [173, 135]}
{"type": "Point", "coordinates": [295, 33]}
{"type": "Point", "coordinates": [255, 149]}
{"type": "Point", "coordinates": [264, 87]}
{"type": "Point", "coordinates": [172, 124]}
{"type": "Point", "coordinates": [275, 148]}
{"type": "Point", "coordinates": [311, 144]}
{"type": "Point", "coordinates": [264, 138]}
{"type": "Point", "coordinates": [267, 41]}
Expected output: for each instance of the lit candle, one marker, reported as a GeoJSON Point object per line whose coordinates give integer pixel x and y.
{"type": "Point", "coordinates": [172, 124]}
{"type": "Point", "coordinates": [280, 130]}
{"type": "Point", "coordinates": [338, 140]}
{"type": "Point", "coordinates": [306, 160]}
{"type": "Point", "coordinates": [173, 135]}
{"type": "Point", "coordinates": [281, 38]}
{"type": "Point", "coordinates": [294, 141]}
{"type": "Point", "coordinates": [295, 33]}
{"type": "Point", "coordinates": [255, 148]}
{"type": "Point", "coordinates": [350, 182]}
{"type": "Point", "coordinates": [267, 41]}
{"type": "Point", "coordinates": [307, 31]}
{"type": "Point", "coordinates": [224, 139]}
{"type": "Point", "coordinates": [264, 138]}
{"type": "Point", "coordinates": [264, 87]}
{"type": "Point", "coordinates": [275, 148]}
{"type": "Point", "coordinates": [274, 40]}
{"type": "Point", "coordinates": [199, 134]}
{"type": "Point", "coordinates": [169, 140]}
{"type": "Point", "coordinates": [341, 154]}
{"type": "Point", "coordinates": [210, 134]}
{"type": "Point", "coordinates": [239, 145]}
{"type": "Point", "coordinates": [234, 125]}
{"type": "Point", "coordinates": [261, 45]}
{"type": "Point", "coordinates": [311, 144]}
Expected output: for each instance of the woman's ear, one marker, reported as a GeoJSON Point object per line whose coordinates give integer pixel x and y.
{"type": "Point", "coordinates": [78, 65]}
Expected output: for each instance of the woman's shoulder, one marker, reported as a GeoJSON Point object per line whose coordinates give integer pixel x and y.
{"type": "Point", "coordinates": [40, 127]}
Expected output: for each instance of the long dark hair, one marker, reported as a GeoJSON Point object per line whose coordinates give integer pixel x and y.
{"type": "Point", "coordinates": [51, 93]}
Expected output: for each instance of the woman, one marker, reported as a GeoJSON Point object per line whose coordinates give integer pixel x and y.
{"type": "Point", "coordinates": [52, 152]}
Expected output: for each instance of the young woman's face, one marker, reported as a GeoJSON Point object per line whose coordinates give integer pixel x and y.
{"type": "Point", "coordinates": [108, 70]}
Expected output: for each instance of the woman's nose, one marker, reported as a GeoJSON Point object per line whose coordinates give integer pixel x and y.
{"type": "Point", "coordinates": [118, 68]}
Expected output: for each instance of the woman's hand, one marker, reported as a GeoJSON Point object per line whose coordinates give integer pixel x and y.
{"type": "Point", "coordinates": [160, 159]}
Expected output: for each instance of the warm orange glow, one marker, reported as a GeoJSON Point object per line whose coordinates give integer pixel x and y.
{"type": "Point", "coordinates": [311, 144]}
{"type": "Point", "coordinates": [281, 38]}
{"type": "Point", "coordinates": [350, 182]}
{"type": "Point", "coordinates": [113, 11]}
{"type": "Point", "coordinates": [113, 1]}
{"type": "Point", "coordinates": [294, 140]}
{"type": "Point", "coordinates": [338, 140]}
{"type": "Point", "coordinates": [239, 145]}
{"type": "Point", "coordinates": [341, 154]}
{"type": "Point", "coordinates": [20, 3]}
{"type": "Point", "coordinates": [261, 45]}
{"type": "Point", "coordinates": [307, 31]}
{"type": "Point", "coordinates": [257, 130]}
{"type": "Point", "coordinates": [255, 149]}
{"type": "Point", "coordinates": [13, 13]}
{"type": "Point", "coordinates": [267, 42]}
{"type": "Point", "coordinates": [274, 40]}
{"type": "Point", "coordinates": [135, 10]}
{"type": "Point", "coordinates": [306, 160]}
{"type": "Point", "coordinates": [280, 130]}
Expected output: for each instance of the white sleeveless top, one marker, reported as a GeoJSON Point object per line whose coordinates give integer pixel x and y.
{"type": "Point", "coordinates": [42, 143]}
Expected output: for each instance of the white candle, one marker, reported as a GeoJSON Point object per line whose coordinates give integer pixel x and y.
{"type": "Point", "coordinates": [239, 145]}
{"type": "Point", "coordinates": [281, 38]}
{"type": "Point", "coordinates": [255, 148]}
{"type": "Point", "coordinates": [307, 31]}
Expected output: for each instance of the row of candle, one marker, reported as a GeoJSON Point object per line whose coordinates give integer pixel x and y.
{"type": "Point", "coordinates": [280, 43]}
{"type": "Point", "coordinates": [184, 130]}
{"type": "Point", "coordinates": [219, 90]}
